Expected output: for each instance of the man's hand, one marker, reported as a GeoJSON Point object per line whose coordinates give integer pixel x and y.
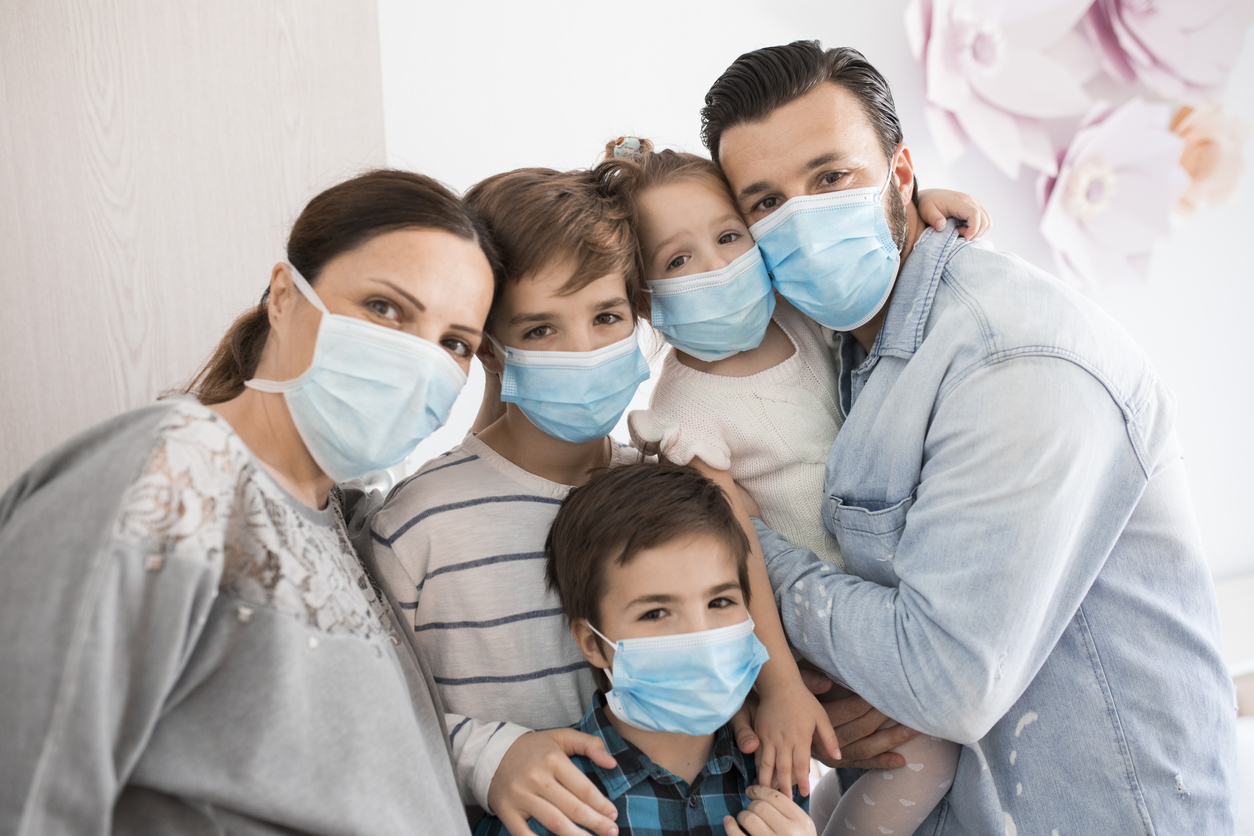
{"type": "Point", "coordinates": [536, 780]}
{"type": "Point", "coordinates": [769, 813]}
{"type": "Point", "coordinates": [863, 744]}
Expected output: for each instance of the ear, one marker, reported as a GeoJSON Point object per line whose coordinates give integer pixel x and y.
{"type": "Point", "coordinates": [591, 646]}
{"type": "Point", "coordinates": [283, 295]}
{"type": "Point", "coordinates": [487, 355]}
{"type": "Point", "coordinates": [903, 170]}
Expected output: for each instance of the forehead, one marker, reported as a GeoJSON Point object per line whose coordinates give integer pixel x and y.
{"type": "Point", "coordinates": [684, 566]}
{"type": "Point", "coordinates": [684, 203]}
{"type": "Point", "coordinates": [828, 119]}
{"type": "Point", "coordinates": [549, 283]}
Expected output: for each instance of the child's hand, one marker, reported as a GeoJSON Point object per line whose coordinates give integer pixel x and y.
{"type": "Point", "coordinates": [787, 724]}
{"type": "Point", "coordinates": [536, 780]}
{"type": "Point", "coordinates": [770, 813]}
{"type": "Point", "coordinates": [936, 205]}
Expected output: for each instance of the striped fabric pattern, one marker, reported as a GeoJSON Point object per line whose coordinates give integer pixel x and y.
{"type": "Point", "coordinates": [460, 546]}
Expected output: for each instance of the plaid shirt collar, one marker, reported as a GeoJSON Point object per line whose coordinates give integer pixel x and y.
{"type": "Point", "coordinates": [634, 766]}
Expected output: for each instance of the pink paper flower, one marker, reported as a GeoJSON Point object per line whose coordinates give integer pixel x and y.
{"type": "Point", "coordinates": [990, 78]}
{"type": "Point", "coordinates": [1113, 198]}
{"type": "Point", "coordinates": [1181, 49]}
{"type": "Point", "coordinates": [1213, 143]}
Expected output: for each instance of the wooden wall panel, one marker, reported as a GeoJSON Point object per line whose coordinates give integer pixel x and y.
{"type": "Point", "coordinates": [152, 156]}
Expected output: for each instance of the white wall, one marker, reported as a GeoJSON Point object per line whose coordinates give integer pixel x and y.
{"type": "Point", "coordinates": [152, 158]}
{"type": "Point", "coordinates": [475, 88]}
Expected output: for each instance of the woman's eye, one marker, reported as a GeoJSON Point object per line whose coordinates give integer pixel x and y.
{"type": "Point", "coordinates": [539, 332]}
{"type": "Point", "coordinates": [383, 309]}
{"type": "Point", "coordinates": [458, 348]}
{"type": "Point", "coordinates": [677, 262]}
{"type": "Point", "coordinates": [607, 318]}
{"type": "Point", "coordinates": [729, 237]}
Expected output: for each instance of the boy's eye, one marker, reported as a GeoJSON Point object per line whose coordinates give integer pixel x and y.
{"type": "Point", "coordinates": [653, 615]}
{"type": "Point", "coordinates": [729, 237]}
{"type": "Point", "coordinates": [539, 332]}
{"type": "Point", "coordinates": [383, 309]}
{"type": "Point", "coordinates": [677, 262]}
{"type": "Point", "coordinates": [607, 318]}
{"type": "Point", "coordinates": [456, 347]}
{"type": "Point", "coordinates": [721, 603]}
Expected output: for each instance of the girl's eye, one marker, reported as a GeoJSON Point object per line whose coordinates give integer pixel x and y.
{"type": "Point", "coordinates": [653, 615]}
{"type": "Point", "coordinates": [729, 237]}
{"type": "Point", "coordinates": [607, 318]}
{"type": "Point", "coordinates": [457, 348]}
{"type": "Point", "coordinates": [677, 262]}
{"type": "Point", "coordinates": [539, 332]}
{"type": "Point", "coordinates": [383, 309]}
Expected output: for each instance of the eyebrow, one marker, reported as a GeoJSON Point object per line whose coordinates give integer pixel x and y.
{"type": "Point", "coordinates": [666, 599]}
{"type": "Point", "coordinates": [524, 318]}
{"type": "Point", "coordinates": [413, 299]}
{"type": "Point", "coordinates": [765, 185]}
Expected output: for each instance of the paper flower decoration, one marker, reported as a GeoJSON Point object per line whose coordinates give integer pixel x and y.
{"type": "Point", "coordinates": [1113, 198]}
{"type": "Point", "coordinates": [1213, 158]}
{"type": "Point", "coordinates": [989, 78]}
{"type": "Point", "coordinates": [1181, 49]}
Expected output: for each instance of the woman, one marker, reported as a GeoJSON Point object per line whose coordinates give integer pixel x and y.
{"type": "Point", "coordinates": [188, 642]}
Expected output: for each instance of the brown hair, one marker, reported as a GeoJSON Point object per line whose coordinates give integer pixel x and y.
{"type": "Point", "coordinates": [623, 511]}
{"type": "Point", "coordinates": [759, 82]}
{"type": "Point", "coordinates": [539, 216]}
{"type": "Point", "coordinates": [337, 221]}
{"type": "Point", "coordinates": [625, 177]}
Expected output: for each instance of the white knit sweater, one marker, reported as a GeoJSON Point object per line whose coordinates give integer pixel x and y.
{"type": "Point", "coordinates": [772, 429]}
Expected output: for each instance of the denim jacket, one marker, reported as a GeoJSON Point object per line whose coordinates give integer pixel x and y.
{"type": "Point", "coordinates": [1025, 572]}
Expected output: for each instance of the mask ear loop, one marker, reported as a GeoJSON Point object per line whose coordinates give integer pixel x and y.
{"type": "Point", "coordinates": [278, 387]}
{"type": "Point", "coordinates": [305, 288]}
{"type": "Point", "coordinates": [605, 639]}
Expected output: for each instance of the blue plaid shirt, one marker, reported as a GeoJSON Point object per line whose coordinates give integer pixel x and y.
{"type": "Point", "coordinates": [652, 801]}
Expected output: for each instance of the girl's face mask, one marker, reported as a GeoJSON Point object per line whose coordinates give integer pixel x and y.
{"type": "Point", "coordinates": [370, 394]}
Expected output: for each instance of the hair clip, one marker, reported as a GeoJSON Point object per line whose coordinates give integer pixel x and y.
{"type": "Point", "coordinates": [627, 146]}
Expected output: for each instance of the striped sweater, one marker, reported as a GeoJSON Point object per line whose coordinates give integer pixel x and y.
{"type": "Point", "coordinates": [460, 546]}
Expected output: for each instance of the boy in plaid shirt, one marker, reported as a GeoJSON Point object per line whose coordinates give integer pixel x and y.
{"type": "Point", "coordinates": [643, 552]}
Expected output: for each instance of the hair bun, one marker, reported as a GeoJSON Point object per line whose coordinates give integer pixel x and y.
{"type": "Point", "coordinates": [627, 147]}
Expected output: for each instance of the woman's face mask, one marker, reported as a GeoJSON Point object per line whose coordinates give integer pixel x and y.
{"type": "Point", "coordinates": [370, 394]}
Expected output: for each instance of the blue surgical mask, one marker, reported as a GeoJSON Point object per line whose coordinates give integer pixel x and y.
{"type": "Point", "coordinates": [690, 683]}
{"type": "Point", "coordinates": [370, 394]}
{"type": "Point", "coordinates": [832, 255]}
{"type": "Point", "coordinates": [716, 314]}
{"type": "Point", "coordinates": [576, 396]}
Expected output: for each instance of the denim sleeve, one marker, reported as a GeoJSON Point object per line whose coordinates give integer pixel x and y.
{"type": "Point", "coordinates": [1027, 480]}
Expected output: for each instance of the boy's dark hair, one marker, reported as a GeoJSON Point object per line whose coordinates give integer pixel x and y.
{"type": "Point", "coordinates": [539, 216]}
{"type": "Point", "coordinates": [626, 510]}
{"type": "Point", "coordinates": [759, 82]}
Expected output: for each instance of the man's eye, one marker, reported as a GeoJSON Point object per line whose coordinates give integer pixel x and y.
{"type": "Point", "coordinates": [729, 237]}
{"type": "Point", "coordinates": [677, 262]}
{"type": "Point", "coordinates": [458, 348]}
{"type": "Point", "coordinates": [831, 178]}
{"type": "Point", "coordinates": [766, 204]}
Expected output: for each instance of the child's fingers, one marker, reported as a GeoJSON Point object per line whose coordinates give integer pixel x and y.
{"type": "Point", "coordinates": [589, 745]}
{"type": "Point", "coordinates": [801, 768]}
{"type": "Point", "coordinates": [766, 765]}
{"type": "Point", "coordinates": [767, 805]}
{"type": "Point", "coordinates": [730, 826]}
{"type": "Point", "coordinates": [783, 772]}
{"type": "Point", "coordinates": [554, 820]}
{"type": "Point", "coordinates": [582, 801]}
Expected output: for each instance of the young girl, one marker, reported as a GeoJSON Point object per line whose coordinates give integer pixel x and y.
{"type": "Point", "coordinates": [748, 395]}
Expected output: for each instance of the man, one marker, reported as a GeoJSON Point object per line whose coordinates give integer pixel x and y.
{"type": "Point", "coordinates": [1025, 571]}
